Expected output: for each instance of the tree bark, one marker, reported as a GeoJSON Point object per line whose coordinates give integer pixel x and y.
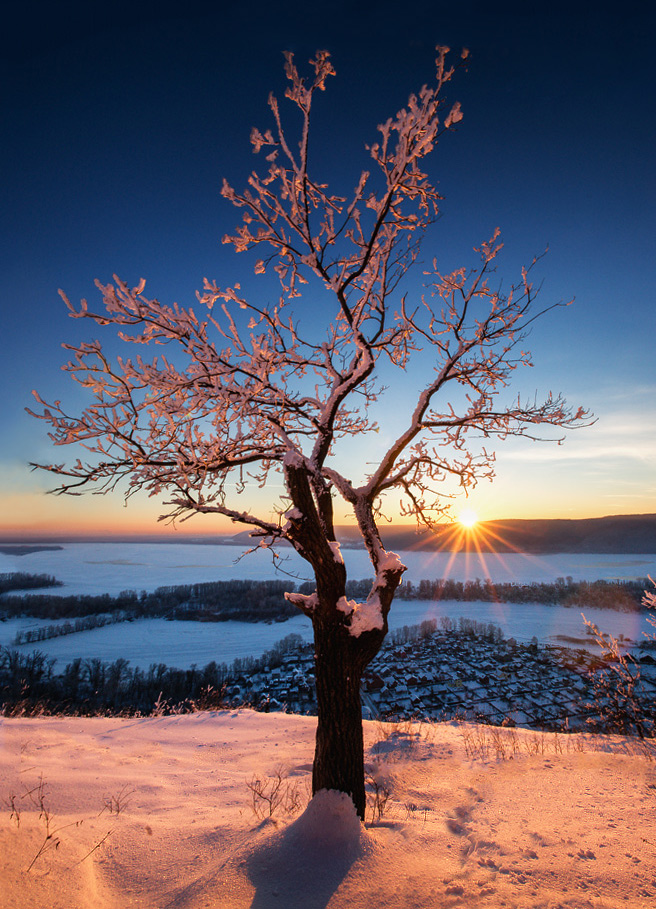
{"type": "Point", "coordinates": [340, 655]}
{"type": "Point", "coordinates": [340, 660]}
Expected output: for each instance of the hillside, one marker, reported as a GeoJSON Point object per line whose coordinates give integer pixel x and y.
{"type": "Point", "coordinates": [157, 814]}
{"type": "Point", "coordinates": [634, 533]}
{"type": "Point", "coordinates": [614, 534]}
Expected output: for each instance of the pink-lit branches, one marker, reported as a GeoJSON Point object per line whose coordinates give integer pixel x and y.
{"type": "Point", "coordinates": [245, 391]}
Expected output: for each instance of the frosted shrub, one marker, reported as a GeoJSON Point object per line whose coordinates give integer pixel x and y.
{"type": "Point", "coordinates": [616, 683]}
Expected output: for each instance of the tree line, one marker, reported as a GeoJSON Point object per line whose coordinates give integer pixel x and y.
{"type": "Point", "coordinates": [216, 601]}
{"type": "Point", "coordinates": [264, 601]}
{"type": "Point", "coordinates": [465, 627]}
{"type": "Point", "coordinates": [82, 623]}
{"type": "Point", "coordinates": [21, 580]}
{"type": "Point", "coordinates": [621, 595]}
{"type": "Point", "coordinates": [30, 685]}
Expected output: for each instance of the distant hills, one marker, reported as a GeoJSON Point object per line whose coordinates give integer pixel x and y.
{"type": "Point", "coordinates": [613, 534]}
{"type": "Point", "coordinates": [617, 534]}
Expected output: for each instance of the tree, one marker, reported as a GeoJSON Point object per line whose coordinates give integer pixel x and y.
{"type": "Point", "coordinates": [616, 686]}
{"type": "Point", "coordinates": [649, 602]}
{"type": "Point", "coordinates": [252, 392]}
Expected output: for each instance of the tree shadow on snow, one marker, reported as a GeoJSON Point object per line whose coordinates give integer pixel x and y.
{"type": "Point", "coordinates": [303, 865]}
{"type": "Point", "coordinates": [298, 867]}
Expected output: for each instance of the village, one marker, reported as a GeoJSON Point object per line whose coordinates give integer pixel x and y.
{"type": "Point", "coordinates": [465, 671]}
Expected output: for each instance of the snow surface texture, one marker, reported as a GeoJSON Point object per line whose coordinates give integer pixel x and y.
{"type": "Point", "coordinates": [475, 817]}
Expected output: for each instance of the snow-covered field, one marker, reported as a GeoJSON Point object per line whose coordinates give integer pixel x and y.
{"type": "Point", "coordinates": [530, 819]}
{"type": "Point", "coordinates": [566, 822]}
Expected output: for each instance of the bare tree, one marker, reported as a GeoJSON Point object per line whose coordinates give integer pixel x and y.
{"type": "Point", "coordinates": [252, 393]}
{"type": "Point", "coordinates": [617, 689]}
{"type": "Point", "coordinates": [649, 602]}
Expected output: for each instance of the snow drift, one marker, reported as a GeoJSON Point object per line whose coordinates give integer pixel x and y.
{"type": "Point", "coordinates": [157, 813]}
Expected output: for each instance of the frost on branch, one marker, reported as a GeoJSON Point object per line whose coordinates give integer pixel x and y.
{"type": "Point", "coordinates": [454, 115]}
{"type": "Point", "coordinates": [649, 602]}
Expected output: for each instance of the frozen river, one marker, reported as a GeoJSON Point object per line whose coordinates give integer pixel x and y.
{"type": "Point", "coordinates": [95, 568]}
{"type": "Point", "coordinates": [180, 644]}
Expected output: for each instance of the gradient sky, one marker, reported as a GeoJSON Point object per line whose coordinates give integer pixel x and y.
{"type": "Point", "coordinates": [119, 124]}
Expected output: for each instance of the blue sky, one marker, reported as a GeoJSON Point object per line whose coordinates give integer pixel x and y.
{"type": "Point", "coordinates": [119, 125]}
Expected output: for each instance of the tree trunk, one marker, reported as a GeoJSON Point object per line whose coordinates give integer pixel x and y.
{"type": "Point", "coordinates": [340, 660]}
{"type": "Point", "coordinates": [340, 655]}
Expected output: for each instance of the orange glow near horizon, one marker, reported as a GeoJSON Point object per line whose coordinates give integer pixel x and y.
{"type": "Point", "coordinates": [40, 517]}
{"type": "Point", "coordinates": [34, 516]}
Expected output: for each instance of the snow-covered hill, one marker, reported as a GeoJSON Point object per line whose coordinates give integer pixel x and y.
{"type": "Point", "coordinates": [157, 812]}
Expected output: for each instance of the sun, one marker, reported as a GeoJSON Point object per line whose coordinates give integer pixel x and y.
{"type": "Point", "coordinates": [468, 518]}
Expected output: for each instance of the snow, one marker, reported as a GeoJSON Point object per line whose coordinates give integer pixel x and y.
{"type": "Point", "coordinates": [368, 616]}
{"type": "Point", "coordinates": [96, 568]}
{"type": "Point", "coordinates": [390, 562]}
{"type": "Point", "coordinates": [147, 641]}
{"type": "Point", "coordinates": [365, 616]}
{"type": "Point", "coordinates": [526, 819]}
{"type": "Point", "coordinates": [293, 514]}
{"type": "Point", "coordinates": [337, 551]}
{"type": "Point", "coordinates": [330, 826]}
{"type": "Point", "coordinates": [330, 821]}
{"type": "Point", "coordinates": [305, 601]}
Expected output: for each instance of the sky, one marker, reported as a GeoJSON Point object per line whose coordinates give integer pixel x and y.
{"type": "Point", "coordinates": [119, 123]}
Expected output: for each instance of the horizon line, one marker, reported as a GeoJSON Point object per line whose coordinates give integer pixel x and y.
{"type": "Point", "coordinates": [26, 537]}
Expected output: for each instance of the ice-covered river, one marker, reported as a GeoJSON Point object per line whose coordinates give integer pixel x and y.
{"type": "Point", "coordinates": [95, 568]}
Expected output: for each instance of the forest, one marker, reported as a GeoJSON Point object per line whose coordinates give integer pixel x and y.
{"type": "Point", "coordinates": [29, 684]}
{"type": "Point", "coordinates": [21, 580]}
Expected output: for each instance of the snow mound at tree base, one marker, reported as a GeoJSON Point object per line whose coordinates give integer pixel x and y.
{"type": "Point", "coordinates": [303, 865]}
{"type": "Point", "coordinates": [328, 824]}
